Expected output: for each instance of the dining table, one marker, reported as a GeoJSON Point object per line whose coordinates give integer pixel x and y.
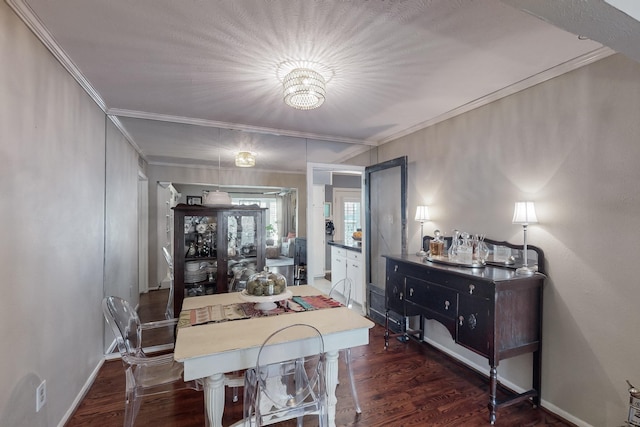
{"type": "Point", "coordinates": [209, 351]}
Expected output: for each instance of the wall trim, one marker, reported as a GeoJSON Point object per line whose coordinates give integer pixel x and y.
{"type": "Point", "coordinates": [541, 77]}
{"type": "Point", "coordinates": [481, 370]}
{"type": "Point", "coordinates": [81, 395]}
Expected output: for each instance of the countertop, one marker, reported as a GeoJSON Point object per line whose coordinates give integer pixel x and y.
{"type": "Point", "coordinates": [349, 247]}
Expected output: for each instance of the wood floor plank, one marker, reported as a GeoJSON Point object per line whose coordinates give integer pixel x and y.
{"type": "Point", "coordinates": [408, 385]}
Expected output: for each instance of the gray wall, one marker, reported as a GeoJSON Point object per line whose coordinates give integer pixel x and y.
{"type": "Point", "coordinates": [572, 146]}
{"type": "Point", "coordinates": [53, 149]}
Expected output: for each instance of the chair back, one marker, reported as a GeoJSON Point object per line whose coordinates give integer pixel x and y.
{"type": "Point", "coordinates": [343, 288]}
{"type": "Point", "coordinates": [168, 313]}
{"type": "Point", "coordinates": [126, 327]}
{"type": "Point", "coordinates": [294, 387]}
{"type": "Point", "coordinates": [169, 259]}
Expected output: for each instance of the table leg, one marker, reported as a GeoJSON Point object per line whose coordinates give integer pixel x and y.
{"type": "Point", "coordinates": [331, 374]}
{"type": "Point", "coordinates": [214, 399]}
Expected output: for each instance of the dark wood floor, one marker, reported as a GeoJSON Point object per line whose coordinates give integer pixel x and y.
{"type": "Point", "coordinates": [407, 385]}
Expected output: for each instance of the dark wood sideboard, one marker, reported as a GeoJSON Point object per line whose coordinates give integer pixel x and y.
{"type": "Point", "coordinates": [491, 311]}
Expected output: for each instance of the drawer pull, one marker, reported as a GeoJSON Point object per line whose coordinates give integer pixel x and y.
{"type": "Point", "coordinates": [473, 322]}
{"type": "Point", "coordinates": [446, 305]}
{"type": "Point", "coordinates": [471, 288]}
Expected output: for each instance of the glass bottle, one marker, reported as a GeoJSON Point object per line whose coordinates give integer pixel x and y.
{"type": "Point", "coordinates": [436, 245]}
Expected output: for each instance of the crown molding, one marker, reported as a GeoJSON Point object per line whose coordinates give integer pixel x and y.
{"type": "Point", "coordinates": [32, 21]}
{"type": "Point", "coordinates": [232, 126]}
{"type": "Point", "coordinates": [541, 77]}
{"type": "Point", "coordinates": [222, 169]}
{"type": "Point", "coordinates": [116, 121]}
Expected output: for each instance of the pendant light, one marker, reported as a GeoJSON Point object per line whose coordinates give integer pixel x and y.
{"type": "Point", "coordinates": [217, 198]}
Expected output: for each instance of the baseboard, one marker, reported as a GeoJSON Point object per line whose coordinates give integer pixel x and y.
{"type": "Point", "coordinates": [481, 370]}
{"type": "Point", "coordinates": [83, 392]}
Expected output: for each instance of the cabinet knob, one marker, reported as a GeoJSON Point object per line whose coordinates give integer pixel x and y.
{"type": "Point", "coordinates": [401, 296]}
{"type": "Point", "coordinates": [460, 320]}
{"type": "Point", "coordinates": [446, 305]}
{"type": "Point", "coordinates": [410, 292]}
{"type": "Point", "coordinates": [473, 321]}
{"type": "Point", "coordinates": [395, 268]}
{"type": "Point", "coordinates": [471, 288]}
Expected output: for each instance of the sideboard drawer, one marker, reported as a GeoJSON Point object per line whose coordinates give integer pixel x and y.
{"type": "Point", "coordinates": [433, 297]}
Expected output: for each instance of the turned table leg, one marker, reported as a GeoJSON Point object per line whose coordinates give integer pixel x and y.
{"type": "Point", "coordinates": [331, 378]}
{"type": "Point", "coordinates": [214, 399]}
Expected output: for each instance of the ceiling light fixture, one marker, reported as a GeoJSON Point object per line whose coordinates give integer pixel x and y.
{"type": "Point", "coordinates": [245, 159]}
{"type": "Point", "coordinates": [304, 89]}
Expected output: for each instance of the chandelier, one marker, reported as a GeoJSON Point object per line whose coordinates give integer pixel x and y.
{"type": "Point", "coordinates": [304, 89]}
{"type": "Point", "coordinates": [245, 159]}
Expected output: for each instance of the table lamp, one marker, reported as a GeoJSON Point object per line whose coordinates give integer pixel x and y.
{"type": "Point", "coordinates": [524, 213]}
{"type": "Point", "coordinates": [422, 215]}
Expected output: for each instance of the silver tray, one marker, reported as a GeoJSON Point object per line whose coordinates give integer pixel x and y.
{"type": "Point", "coordinates": [445, 260]}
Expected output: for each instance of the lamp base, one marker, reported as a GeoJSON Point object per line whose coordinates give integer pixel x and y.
{"type": "Point", "coordinates": [421, 253]}
{"type": "Point", "coordinates": [525, 271]}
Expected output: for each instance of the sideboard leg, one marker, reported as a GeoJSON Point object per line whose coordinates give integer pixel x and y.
{"type": "Point", "coordinates": [537, 376]}
{"type": "Point", "coordinates": [493, 390]}
{"type": "Point", "coordinates": [386, 330]}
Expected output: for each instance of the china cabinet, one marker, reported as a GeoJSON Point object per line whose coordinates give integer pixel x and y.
{"type": "Point", "coordinates": [214, 247]}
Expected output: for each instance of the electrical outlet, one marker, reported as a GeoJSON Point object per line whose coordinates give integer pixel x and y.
{"type": "Point", "coordinates": [41, 395]}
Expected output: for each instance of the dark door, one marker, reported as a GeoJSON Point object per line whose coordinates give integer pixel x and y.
{"type": "Point", "coordinates": [385, 215]}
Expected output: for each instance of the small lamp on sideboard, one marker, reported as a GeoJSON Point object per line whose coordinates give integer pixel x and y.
{"type": "Point", "coordinates": [422, 215]}
{"type": "Point", "coordinates": [524, 213]}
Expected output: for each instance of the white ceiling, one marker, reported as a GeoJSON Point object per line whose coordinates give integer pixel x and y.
{"type": "Point", "coordinates": [191, 80]}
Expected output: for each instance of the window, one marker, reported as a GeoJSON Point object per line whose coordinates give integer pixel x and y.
{"type": "Point", "coordinates": [347, 213]}
{"type": "Point", "coordinates": [351, 219]}
{"type": "Point", "coordinates": [266, 202]}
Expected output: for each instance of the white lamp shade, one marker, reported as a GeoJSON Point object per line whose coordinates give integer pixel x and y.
{"type": "Point", "coordinates": [524, 213]}
{"type": "Point", "coordinates": [217, 198]}
{"type": "Point", "coordinates": [422, 213]}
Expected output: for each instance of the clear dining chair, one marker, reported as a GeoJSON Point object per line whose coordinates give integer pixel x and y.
{"type": "Point", "coordinates": [342, 291]}
{"type": "Point", "coordinates": [276, 391]}
{"type": "Point", "coordinates": [145, 375]}
{"type": "Point", "coordinates": [168, 314]}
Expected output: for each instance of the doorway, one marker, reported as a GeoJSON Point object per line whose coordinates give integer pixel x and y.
{"type": "Point", "coordinates": [320, 175]}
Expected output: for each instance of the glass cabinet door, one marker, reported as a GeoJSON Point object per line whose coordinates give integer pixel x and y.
{"type": "Point", "coordinates": [200, 254]}
{"type": "Point", "coordinates": [243, 247]}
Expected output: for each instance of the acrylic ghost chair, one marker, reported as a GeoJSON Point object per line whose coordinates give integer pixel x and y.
{"type": "Point", "coordinates": [145, 375]}
{"type": "Point", "coordinates": [343, 287]}
{"type": "Point", "coordinates": [276, 391]}
{"type": "Point", "coordinates": [168, 314]}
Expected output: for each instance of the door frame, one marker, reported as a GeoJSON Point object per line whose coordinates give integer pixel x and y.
{"type": "Point", "coordinates": [315, 214]}
{"type": "Point", "coordinates": [401, 162]}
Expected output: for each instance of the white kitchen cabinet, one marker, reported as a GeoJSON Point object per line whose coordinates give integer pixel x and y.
{"type": "Point", "coordinates": [346, 263]}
